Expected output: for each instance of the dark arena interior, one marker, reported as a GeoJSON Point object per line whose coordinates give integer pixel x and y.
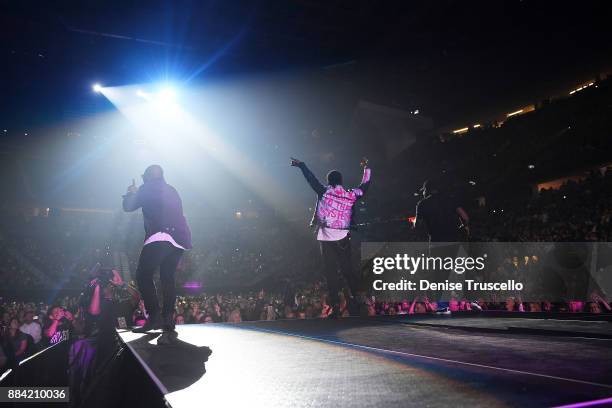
{"type": "Point", "coordinates": [305, 203]}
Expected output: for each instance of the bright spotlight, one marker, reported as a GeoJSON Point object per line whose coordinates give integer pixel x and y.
{"type": "Point", "coordinates": [165, 100]}
{"type": "Point", "coordinates": [97, 88]}
{"type": "Point", "coordinates": [167, 94]}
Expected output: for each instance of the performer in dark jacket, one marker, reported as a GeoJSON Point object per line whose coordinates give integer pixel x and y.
{"type": "Point", "coordinates": [442, 214]}
{"type": "Point", "coordinates": [167, 236]}
{"type": "Point", "coordinates": [332, 217]}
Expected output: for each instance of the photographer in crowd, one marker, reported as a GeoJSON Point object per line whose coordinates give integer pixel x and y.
{"type": "Point", "coordinates": [94, 341]}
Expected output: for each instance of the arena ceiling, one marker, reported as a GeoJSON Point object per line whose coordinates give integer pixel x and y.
{"type": "Point", "coordinates": [448, 58]}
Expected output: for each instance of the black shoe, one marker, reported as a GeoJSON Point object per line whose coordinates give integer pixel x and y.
{"type": "Point", "coordinates": [152, 323]}
{"type": "Point", "coordinates": [167, 338]}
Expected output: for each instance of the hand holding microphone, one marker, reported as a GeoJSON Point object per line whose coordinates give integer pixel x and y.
{"type": "Point", "coordinates": [132, 187]}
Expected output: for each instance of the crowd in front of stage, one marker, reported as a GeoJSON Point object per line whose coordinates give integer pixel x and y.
{"type": "Point", "coordinates": [29, 327]}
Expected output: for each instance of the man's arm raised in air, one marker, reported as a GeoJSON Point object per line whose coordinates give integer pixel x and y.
{"type": "Point", "coordinates": [365, 179]}
{"type": "Point", "coordinates": [131, 200]}
{"type": "Point", "coordinates": [310, 178]}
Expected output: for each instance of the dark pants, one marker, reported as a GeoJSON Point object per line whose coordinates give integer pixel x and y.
{"type": "Point", "coordinates": [337, 255]}
{"type": "Point", "coordinates": [165, 256]}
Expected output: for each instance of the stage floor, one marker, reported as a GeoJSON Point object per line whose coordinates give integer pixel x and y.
{"type": "Point", "coordinates": [382, 362]}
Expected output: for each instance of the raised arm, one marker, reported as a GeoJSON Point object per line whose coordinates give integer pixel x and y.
{"type": "Point", "coordinates": [310, 178]}
{"type": "Point", "coordinates": [131, 200]}
{"type": "Point", "coordinates": [94, 305]}
{"type": "Point", "coordinates": [50, 331]}
{"type": "Point", "coordinates": [365, 179]}
{"type": "Point", "coordinates": [411, 310]}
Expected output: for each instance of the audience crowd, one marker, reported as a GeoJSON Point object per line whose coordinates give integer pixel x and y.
{"type": "Point", "coordinates": [28, 327]}
{"type": "Point", "coordinates": [578, 211]}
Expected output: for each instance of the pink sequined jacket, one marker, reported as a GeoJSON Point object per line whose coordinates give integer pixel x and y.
{"type": "Point", "coordinates": [334, 203]}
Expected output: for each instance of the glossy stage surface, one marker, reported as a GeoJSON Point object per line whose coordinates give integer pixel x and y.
{"type": "Point", "coordinates": [384, 362]}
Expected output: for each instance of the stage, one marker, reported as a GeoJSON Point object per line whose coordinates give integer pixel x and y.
{"type": "Point", "coordinates": [374, 362]}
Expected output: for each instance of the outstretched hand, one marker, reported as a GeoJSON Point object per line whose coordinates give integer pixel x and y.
{"type": "Point", "coordinates": [295, 162]}
{"type": "Point", "coordinates": [364, 162]}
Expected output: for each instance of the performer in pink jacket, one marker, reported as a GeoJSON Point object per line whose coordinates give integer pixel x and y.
{"type": "Point", "coordinates": [332, 218]}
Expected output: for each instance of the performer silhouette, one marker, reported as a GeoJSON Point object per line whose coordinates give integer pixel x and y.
{"type": "Point", "coordinates": [167, 236]}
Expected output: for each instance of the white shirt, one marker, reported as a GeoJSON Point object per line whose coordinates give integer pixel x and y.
{"type": "Point", "coordinates": [331, 234]}
{"type": "Point", "coordinates": [33, 329]}
{"type": "Point", "coordinates": [162, 236]}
